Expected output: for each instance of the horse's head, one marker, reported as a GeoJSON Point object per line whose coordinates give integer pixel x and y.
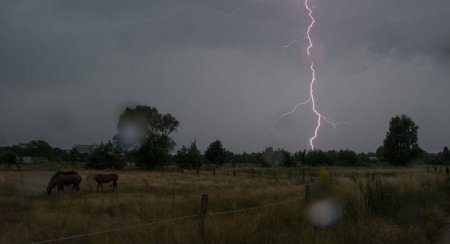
{"type": "Point", "coordinates": [51, 185]}
{"type": "Point", "coordinates": [97, 177]}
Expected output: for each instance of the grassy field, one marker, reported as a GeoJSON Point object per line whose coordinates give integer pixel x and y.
{"type": "Point", "coordinates": [376, 205]}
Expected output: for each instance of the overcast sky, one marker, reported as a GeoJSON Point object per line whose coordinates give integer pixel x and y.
{"type": "Point", "coordinates": [69, 68]}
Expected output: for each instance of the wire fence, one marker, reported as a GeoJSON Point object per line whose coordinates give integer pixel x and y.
{"type": "Point", "coordinates": [171, 220]}
{"type": "Point", "coordinates": [254, 208]}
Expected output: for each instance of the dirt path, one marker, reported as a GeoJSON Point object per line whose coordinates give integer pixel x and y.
{"type": "Point", "coordinates": [444, 237]}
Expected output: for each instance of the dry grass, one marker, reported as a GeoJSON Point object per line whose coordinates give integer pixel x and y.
{"type": "Point", "coordinates": [418, 200]}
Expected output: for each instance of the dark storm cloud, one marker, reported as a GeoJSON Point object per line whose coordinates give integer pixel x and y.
{"type": "Point", "coordinates": [68, 68]}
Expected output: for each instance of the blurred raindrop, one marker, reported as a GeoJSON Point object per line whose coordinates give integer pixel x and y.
{"type": "Point", "coordinates": [325, 213]}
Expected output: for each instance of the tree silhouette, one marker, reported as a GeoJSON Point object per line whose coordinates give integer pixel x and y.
{"type": "Point", "coordinates": [189, 157]}
{"type": "Point", "coordinates": [146, 132]}
{"type": "Point", "coordinates": [215, 153]}
{"type": "Point", "coordinates": [400, 146]}
{"type": "Point", "coordinates": [105, 156]}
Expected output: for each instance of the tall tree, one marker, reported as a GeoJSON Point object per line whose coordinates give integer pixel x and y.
{"type": "Point", "coordinates": [195, 157]}
{"type": "Point", "coordinates": [400, 146]}
{"type": "Point", "coordinates": [8, 158]}
{"type": "Point", "coordinates": [215, 153]}
{"type": "Point", "coordinates": [146, 132]}
{"type": "Point", "coordinates": [445, 155]}
{"type": "Point", "coordinates": [155, 152]}
{"type": "Point", "coordinates": [190, 157]}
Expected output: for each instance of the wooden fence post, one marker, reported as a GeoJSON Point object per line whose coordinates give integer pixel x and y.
{"type": "Point", "coordinates": [303, 173]}
{"type": "Point", "coordinates": [307, 193]}
{"type": "Point", "coordinates": [289, 175]}
{"type": "Point", "coordinates": [234, 172]}
{"type": "Point", "coordinates": [202, 216]}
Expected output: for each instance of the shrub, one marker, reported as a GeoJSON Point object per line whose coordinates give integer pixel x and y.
{"type": "Point", "coordinates": [324, 176]}
{"type": "Point", "coordinates": [381, 198]}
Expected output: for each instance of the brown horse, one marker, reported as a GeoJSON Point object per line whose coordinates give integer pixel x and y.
{"type": "Point", "coordinates": [105, 178]}
{"type": "Point", "coordinates": [62, 179]}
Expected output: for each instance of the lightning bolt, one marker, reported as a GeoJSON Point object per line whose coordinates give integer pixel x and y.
{"type": "Point", "coordinates": [295, 108]}
{"type": "Point", "coordinates": [313, 76]}
{"type": "Point", "coordinates": [311, 100]}
{"type": "Point", "coordinates": [289, 44]}
{"type": "Point", "coordinates": [249, 4]}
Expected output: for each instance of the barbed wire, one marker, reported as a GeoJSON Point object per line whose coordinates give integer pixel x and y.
{"type": "Point", "coordinates": [167, 221]}
{"type": "Point", "coordinates": [118, 229]}
{"type": "Point", "coordinates": [253, 208]}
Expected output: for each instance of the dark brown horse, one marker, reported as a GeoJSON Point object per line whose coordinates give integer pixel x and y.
{"type": "Point", "coordinates": [62, 179]}
{"type": "Point", "coordinates": [105, 178]}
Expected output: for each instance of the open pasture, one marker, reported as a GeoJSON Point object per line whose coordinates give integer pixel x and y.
{"type": "Point", "coordinates": [405, 206]}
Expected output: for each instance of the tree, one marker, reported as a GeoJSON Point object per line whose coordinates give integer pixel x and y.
{"type": "Point", "coordinates": [215, 153]}
{"type": "Point", "coordinates": [189, 157]}
{"type": "Point", "coordinates": [74, 155]}
{"type": "Point", "coordinates": [268, 157]}
{"type": "Point", "coordinates": [299, 157]}
{"type": "Point", "coordinates": [400, 146]}
{"type": "Point", "coordinates": [105, 156]}
{"type": "Point", "coordinates": [60, 154]}
{"type": "Point", "coordinates": [146, 133]}
{"type": "Point", "coordinates": [317, 157]}
{"type": "Point", "coordinates": [182, 158]}
{"type": "Point", "coordinates": [8, 158]}
{"type": "Point", "coordinates": [445, 155]}
{"type": "Point", "coordinates": [380, 153]}
{"type": "Point", "coordinates": [285, 158]}
{"type": "Point", "coordinates": [39, 148]}
{"type": "Point", "coordinates": [155, 152]}
{"type": "Point", "coordinates": [442, 157]}
{"type": "Point", "coordinates": [346, 158]}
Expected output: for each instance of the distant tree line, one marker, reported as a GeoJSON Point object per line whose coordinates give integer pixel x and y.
{"type": "Point", "coordinates": [38, 149]}
{"type": "Point", "coordinates": [144, 139]}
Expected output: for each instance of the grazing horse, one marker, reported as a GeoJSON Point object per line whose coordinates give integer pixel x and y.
{"type": "Point", "coordinates": [61, 173]}
{"type": "Point", "coordinates": [102, 178]}
{"type": "Point", "coordinates": [62, 179]}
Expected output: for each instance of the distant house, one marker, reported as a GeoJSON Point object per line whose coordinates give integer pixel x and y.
{"type": "Point", "coordinates": [30, 160]}
{"type": "Point", "coordinates": [23, 145]}
{"type": "Point", "coordinates": [40, 160]}
{"type": "Point", "coordinates": [25, 160]}
{"type": "Point", "coordinates": [85, 149]}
